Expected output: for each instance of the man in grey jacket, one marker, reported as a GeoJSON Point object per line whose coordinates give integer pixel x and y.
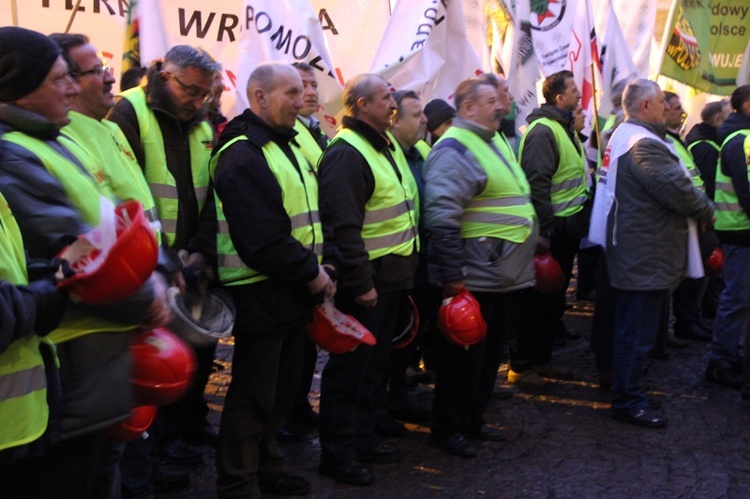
{"type": "Point", "coordinates": [648, 239]}
{"type": "Point", "coordinates": [483, 233]}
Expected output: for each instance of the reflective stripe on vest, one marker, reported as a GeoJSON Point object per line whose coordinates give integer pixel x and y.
{"type": "Point", "coordinates": [687, 159]}
{"type": "Point", "coordinates": [569, 190]}
{"type": "Point", "coordinates": [80, 187]}
{"type": "Point", "coordinates": [300, 200]}
{"type": "Point", "coordinates": [23, 383]}
{"type": "Point", "coordinates": [503, 209]}
{"type": "Point", "coordinates": [729, 214]}
{"type": "Point", "coordinates": [160, 181]}
{"type": "Point", "coordinates": [307, 144]}
{"type": "Point", "coordinates": [395, 194]}
{"type": "Point", "coordinates": [104, 140]}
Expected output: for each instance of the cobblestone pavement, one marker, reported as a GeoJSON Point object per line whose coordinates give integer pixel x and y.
{"type": "Point", "coordinates": [564, 443]}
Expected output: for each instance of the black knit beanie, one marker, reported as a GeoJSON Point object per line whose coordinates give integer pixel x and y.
{"type": "Point", "coordinates": [26, 57]}
{"type": "Point", "coordinates": [438, 112]}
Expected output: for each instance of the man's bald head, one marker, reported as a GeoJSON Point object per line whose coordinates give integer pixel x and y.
{"type": "Point", "coordinates": [274, 91]}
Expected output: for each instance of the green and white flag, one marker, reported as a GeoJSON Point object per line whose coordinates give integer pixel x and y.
{"type": "Point", "coordinates": [705, 43]}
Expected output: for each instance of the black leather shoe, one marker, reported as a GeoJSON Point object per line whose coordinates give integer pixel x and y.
{"type": "Point", "coordinates": [352, 473]}
{"type": "Point", "coordinates": [386, 426]}
{"type": "Point", "coordinates": [178, 452]}
{"type": "Point", "coordinates": [285, 485]}
{"type": "Point", "coordinates": [380, 454]}
{"type": "Point", "coordinates": [692, 332]}
{"type": "Point", "coordinates": [170, 481]}
{"type": "Point", "coordinates": [455, 444]}
{"type": "Point", "coordinates": [642, 417]}
{"type": "Point", "coordinates": [488, 434]}
{"type": "Point", "coordinates": [724, 374]}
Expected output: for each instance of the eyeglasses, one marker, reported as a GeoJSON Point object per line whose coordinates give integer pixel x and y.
{"type": "Point", "coordinates": [97, 71]}
{"type": "Point", "coordinates": [192, 91]}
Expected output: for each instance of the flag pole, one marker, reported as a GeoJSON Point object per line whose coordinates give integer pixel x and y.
{"type": "Point", "coordinates": [665, 37]}
{"type": "Point", "coordinates": [14, 12]}
{"type": "Point", "coordinates": [72, 16]}
{"type": "Point", "coordinates": [593, 83]}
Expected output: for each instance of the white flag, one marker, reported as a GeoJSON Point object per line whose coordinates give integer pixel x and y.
{"type": "Point", "coordinates": [425, 49]}
{"type": "Point", "coordinates": [152, 31]}
{"type": "Point", "coordinates": [524, 67]}
{"type": "Point", "coordinates": [353, 30]}
{"type": "Point", "coordinates": [289, 31]}
{"type": "Point", "coordinates": [551, 24]}
{"type": "Point", "coordinates": [475, 17]}
{"type": "Point", "coordinates": [637, 19]}
{"type": "Point", "coordinates": [617, 61]}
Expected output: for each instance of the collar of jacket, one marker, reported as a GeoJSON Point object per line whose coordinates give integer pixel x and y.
{"type": "Point", "coordinates": [675, 136]}
{"type": "Point", "coordinates": [660, 129]}
{"type": "Point", "coordinates": [259, 133]}
{"type": "Point", "coordinates": [377, 140]}
{"type": "Point", "coordinates": [701, 131]}
{"type": "Point", "coordinates": [484, 133]}
{"type": "Point", "coordinates": [553, 113]}
{"type": "Point", "coordinates": [28, 122]}
{"type": "Point", "coordinates": [733, 123]}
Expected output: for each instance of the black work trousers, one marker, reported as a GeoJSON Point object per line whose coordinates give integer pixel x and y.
{"type": "Point", "coordinates": [542, 314]}
{"type": "Point", "coordinates": [465, 377]}
{"type": "Point", "coordinates": [350, 381]}
{"type": "Point", "coordinates": [266, 369]}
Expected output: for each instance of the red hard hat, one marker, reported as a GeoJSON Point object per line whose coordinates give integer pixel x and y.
{"type": "Point", "coordinates": [132, 428]}
{"type": "Point", "coordinates": [714, 264]}
{"type": "Point", "coordinates": [108, 276]}
{"type": "Point", "coordinates": [407, 323]}
{"type": "Point", "coordinates": [460, 320]}
{"type": "Point", "coordinates": [335, 331]}
{"type": "Point", "coordinates": [162, 369]}
{"type": "Point", "coordinates": [549, 275]}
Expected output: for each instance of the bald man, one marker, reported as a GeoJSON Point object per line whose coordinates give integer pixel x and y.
{"type": "Point", "coordinates": [269, 248]}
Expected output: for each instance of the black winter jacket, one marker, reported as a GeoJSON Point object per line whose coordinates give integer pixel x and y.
{"type": "Point", "coordinates": [260, 228]}
{"type": "Point", "coordinates": [346, 184]}
{"type": "Point", "coordinates": [705, 155]}
{"type": "Point", "coordinates": [540, 160]}
{"type": "Point", "coordinates": [195, 231]}
{"type": "Point", "coordinates": [734, 165]}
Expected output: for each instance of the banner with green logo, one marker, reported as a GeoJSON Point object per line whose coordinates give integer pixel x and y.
{"type": "Point", "coordinates": [706, 40]}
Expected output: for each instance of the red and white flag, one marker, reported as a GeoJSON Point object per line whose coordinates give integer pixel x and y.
{"type": "Point", "coordinates": [583, 56]}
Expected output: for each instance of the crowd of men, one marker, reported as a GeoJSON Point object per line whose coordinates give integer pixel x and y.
{"type": "Point", "coordinates": [283, 217]}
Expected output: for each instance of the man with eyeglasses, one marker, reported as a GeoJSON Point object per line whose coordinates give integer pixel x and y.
{"type": "Point", "coordinates": [164, 123]}
{"type": "Point", "coordinates": [116, 169]}
{"type": "Point", "coordinates": [48, 183]}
